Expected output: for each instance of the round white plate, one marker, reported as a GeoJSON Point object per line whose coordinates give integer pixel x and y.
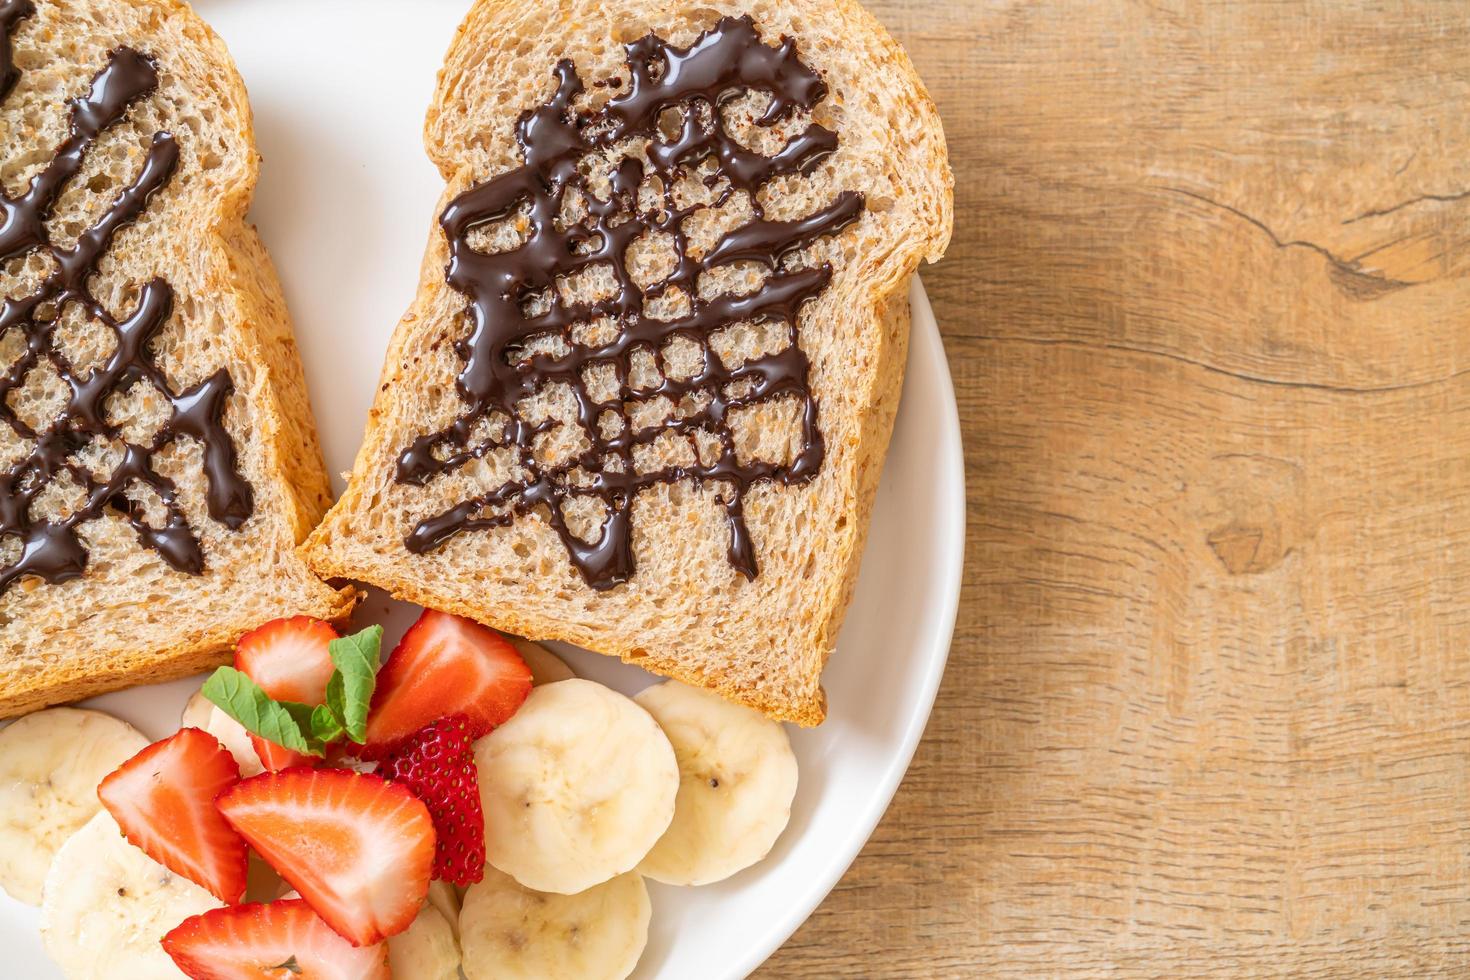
{"type": "Point", "coordinates": [345, 204]}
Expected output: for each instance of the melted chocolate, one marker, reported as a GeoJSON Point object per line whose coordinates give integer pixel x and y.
{"type": "Point", "coordinates": [12, 12]}
{"type": "Point", "coordinates": [556, 139]}
{"type": "Point", "coordinates": [51, 548]}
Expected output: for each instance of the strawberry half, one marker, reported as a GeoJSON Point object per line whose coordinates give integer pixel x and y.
{"type": "Point", "coordinates": [445, 665]}
{"type": "Point", "coordinates": [277, 757]}
{"type": "Point", "coordinates": [358, 848]}
{"type": "Point", "coordinates": [438, 764]}
{"type": "Point", "coordinates": [286, 939]}
{"type": "Point", "coordinates": [290, 660]}
{"type": "Point", "coordinates": [163, 799]}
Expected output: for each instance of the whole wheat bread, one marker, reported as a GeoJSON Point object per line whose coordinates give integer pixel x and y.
{"type": "Point", "coordinates": [129, 555]}
{"type": "Point", "coordinates": [472, 496]}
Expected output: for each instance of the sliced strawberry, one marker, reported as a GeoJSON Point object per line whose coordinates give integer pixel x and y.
{"type": "Point", "coordinates": [290, 660]}
{"type": "Point", "coordinates": [438, 764]}
{"type": "Point", "coordinates": [358, 848]}
{"type": "Point", "coordinates": [277, 757]}
{"type": "Point", "coordinates": [282, 939]}
{"type": "Point", "coordinates": [163, 799]}
{"type": "Point", "coordinates": [445, 665]}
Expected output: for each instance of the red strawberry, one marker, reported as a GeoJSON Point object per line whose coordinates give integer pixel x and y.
{"type": "Point", "coordinates": [277, 757]}
{"type": "Point", "coordinates": [290, 661]}
{"type": "Point", "coordinates": [163, 799]}
{"type": "Point", "coordinates": [358, 848]}
{"type": "Point", "coordinates": [438, 764]}
{"type": "Point", "coordinates": [445, 665]}
{"type": "Point", "coordinates": [251, 942]}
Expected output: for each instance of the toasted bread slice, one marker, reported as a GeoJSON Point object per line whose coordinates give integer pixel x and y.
{"type": "Point", "coordinates": [642, 398]}
{"type": "Point", "coordinates": [158, 463]}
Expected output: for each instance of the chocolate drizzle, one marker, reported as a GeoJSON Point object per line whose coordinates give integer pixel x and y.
{"type": "Point", "coordinates": [51, 548]}
{"type": "Point", "coordinates": [12, 12]}
{"type": "Point", "coordinates": [556, 141]}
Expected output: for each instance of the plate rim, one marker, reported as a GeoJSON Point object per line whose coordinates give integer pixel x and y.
{"type": "Point", "coordinates": [841, 859]}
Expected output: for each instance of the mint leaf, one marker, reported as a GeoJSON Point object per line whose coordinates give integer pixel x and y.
{"type": "Point", "coordinates": [304, 716]}
{"type": "Point", "coordinates": [275, 721]}
{"type": "Point", "coordinates": [302, 727]}
{"type": "Point", "coordinates": [325, 726]}
{"type": "Point", "coordinates": [337, 700]}
{"type": "Point", "coordinates": [350, 691]}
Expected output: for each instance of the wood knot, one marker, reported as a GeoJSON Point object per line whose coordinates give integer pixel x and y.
{"type": "Point", "coordinates": [1246, 549]}
{"type": "Point", "coordinates": [1252, 506]}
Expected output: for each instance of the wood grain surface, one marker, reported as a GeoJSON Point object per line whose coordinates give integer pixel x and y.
{"type": "Point", "coordinates": [1208, 315]}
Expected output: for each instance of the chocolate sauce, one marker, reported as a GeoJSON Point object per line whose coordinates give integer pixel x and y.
{"type": "Point", "coordinates": [12, 12]}
{"type": "Point", "coordinates": [51, 548]}
{"type": "Point", "coordinates": [724, 62]}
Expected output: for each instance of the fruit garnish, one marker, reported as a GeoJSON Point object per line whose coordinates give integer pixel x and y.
{"type": "Point", "coordinates": [286, 728]}
{"type": "Point", "coordinates": [107, 903]}
{"type": "Point", "coordinates": [438, 764]}
{"type": "Point", "coordinates": [737, 778]}
{"type": "Point", "coordinates": [281, 939]}
{"type": "Point", "coordinates": [358, 848]}
{"type": "Point", "coordinates": [50, 764]}
{"type": "Point", "coordinates": [531, 935]}
{"type": "Point", "coordinates": [445, 665]}
{"type": "Point", "coordinates": [290, 660]}
{"type": "Point", "coordinates": [163, 799]}
{"type": "Point", "coordinates": [576, 788]}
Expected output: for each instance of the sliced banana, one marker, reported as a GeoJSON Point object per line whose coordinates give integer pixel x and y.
{"type": "Point", "coordinates": [50, 765]}
{"type": "Point", "coordinates": [426, 950]}
{"type": "Point", "coordinates": [737, 777]}
{"type": "Point", "coordinates": [576, 787]}
{"type": "Point", "coordinates": [546, 667]}
{"type": "Point", "coordinates": [200, 712]}
{"type": "Point", "coordinates": [510, 932]}
{"type": "Point", "coordinates": [196, 711]}
{"type": "Point", "coordinates": [446, 898]}
{"type": "Point", "coordinates": [107, 906]}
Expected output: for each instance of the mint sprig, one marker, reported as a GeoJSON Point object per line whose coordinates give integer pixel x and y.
{"type": "Point", "coordinates": [324, 724]}
{"type": "Point", "coordinates": [350, 691]}
{"type": "Point", "coordinates": [306, 728]}
{"type": "Point", "coordinates": [243, 700]}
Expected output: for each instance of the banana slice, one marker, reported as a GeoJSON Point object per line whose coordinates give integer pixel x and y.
{"type": "Point", "coordinates": [546, 667]}
{"type": "Point", "coordinates": [426, 950]}
{"type": "Point", "coordinates": [446, 898]}
{"type": "Point", "coordinates": [576, 787]}
{"type": "Point", "coordinates": [513, 933]}
{"type": "Point", "coordinates": [429, 948]}
{"type": "Point", "coordinates": [107, 905]}
{"type": "Point", "coordinates": [737, 777]}
{"type": "Point", "coordinates": [200, 712]}
{"type": "Point", "coordinates": [50, 765]}
{"type": "Point", "coordinates": [196, 711]}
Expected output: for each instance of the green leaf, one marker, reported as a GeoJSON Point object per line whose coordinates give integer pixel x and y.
{"type": "Point", "coordinates": [325, 726]}
{"type": "Point", "coordinates": [337, 700]}
{"type": "Point", "coordinates": [350, 691]}
{"type": "Point", "coordinates": [280, 722]}
{"type": "Point", "coordinates": [305, 717]}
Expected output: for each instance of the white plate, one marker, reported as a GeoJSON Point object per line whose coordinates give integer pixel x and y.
{"type": "Point", "coordinates": [345, 204]}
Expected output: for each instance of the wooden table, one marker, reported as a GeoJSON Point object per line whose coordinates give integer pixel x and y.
{"type": "Point", "coordinates": [1208, 314]}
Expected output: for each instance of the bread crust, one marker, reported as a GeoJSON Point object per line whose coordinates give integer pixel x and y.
{"type": "Point", "coordinates": [874, 304]}
{"type": "Point", "coordinates": [40, 663]}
